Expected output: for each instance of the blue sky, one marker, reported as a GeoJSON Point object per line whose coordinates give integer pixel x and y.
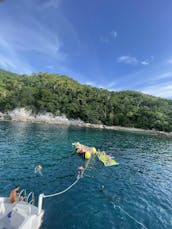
{"type": "Point", "coordinates": [114, 44]}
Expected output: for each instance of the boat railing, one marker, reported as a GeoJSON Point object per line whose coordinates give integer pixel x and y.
{"type": "Point", "coordinates": [22, 194]}
{"type": "Point", "coordinates": [31, 197]}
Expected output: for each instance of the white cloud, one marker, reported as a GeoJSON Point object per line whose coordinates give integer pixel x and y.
{"type": "Point", "coordinates": [162, 90]}
{"type": "Point", "coordinates": [51, 3]}
{"type": "Point", "coordinates": [21, 39]}
{"type": "Point", "coordinates": [164, 75]}
{"type": "Point", "coordinates": [155, 79]}
{"type": "Point", "coordinates": [132, 60]}
{"type": "Point", "coordinates": [169, 61]}
{"type": "Point", "coordinates": [104, 39]}
{"type": "Point", "coordinates": [111, 85]}
{"type": "Point", "coordinates": [33, 37]}
{"type": "Point", "coordinates": [10, 60]}
{"type": "Point", "coordinates": [144, 62]}
{"type": "Point", "coordinates": [91, 83]}
{"type": "Point", "coordinates": [111, 35]}
{"type": "Point", "coordinates": [94, 84]}
{"type": "Point", "coordinates": [127, 60]}
{"type": "Point", "coordinates": [114, 34]}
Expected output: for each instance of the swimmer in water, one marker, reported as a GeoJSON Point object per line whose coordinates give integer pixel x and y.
{"type": "Point", "coordinates": [102, 188]}
{"type": "Point", "coordinates": [80, 172]}
{"type": "Point", "coordinates": [38, 169]}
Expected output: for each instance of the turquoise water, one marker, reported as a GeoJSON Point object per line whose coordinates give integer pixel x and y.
{"type": "Point", "coordinates": [140, 187]}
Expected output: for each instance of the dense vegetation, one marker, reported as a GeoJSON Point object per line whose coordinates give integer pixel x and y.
{"type": "Point", "coordinates": [60, 94]}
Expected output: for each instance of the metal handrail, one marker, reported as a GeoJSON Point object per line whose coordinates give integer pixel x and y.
{"type": "Point", "coordinates": [21, 192]}
{"type": "Point", "coordinates": [32, 202]}
{"type": "Point", "coordinates": [33, 198]}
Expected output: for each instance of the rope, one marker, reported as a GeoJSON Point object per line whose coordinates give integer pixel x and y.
{"type": "Point", "coordinates": [130, 216]}
{"type": "Point", "coordinates": [68, 188]}
{"type": "Point", "coordinates": [79, 176]}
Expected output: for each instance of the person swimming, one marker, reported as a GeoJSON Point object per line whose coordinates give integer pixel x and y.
{"type": "Point", "coordinates": [80, 172]}
{"type": "Point", "coordinates": [102, 188]}
{"type": "Point", "coordinates": [38, 169]}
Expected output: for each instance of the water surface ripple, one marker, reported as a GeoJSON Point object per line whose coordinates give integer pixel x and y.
{"type": "Point", "coordinates": [141, 185]}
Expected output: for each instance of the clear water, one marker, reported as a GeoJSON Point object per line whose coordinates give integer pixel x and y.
{"type": "Point", "coordinates": [140, 186]}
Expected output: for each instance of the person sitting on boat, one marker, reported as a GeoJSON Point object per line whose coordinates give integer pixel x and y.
{"type": "Point", "coordinates": [13, 194]}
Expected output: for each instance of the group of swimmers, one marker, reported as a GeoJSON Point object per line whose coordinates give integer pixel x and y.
{"type": "Point", "coordinates": [82, 149]}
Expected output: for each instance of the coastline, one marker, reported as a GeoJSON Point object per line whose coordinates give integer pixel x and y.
{"type": "Point", "coordinates": [24, 115]}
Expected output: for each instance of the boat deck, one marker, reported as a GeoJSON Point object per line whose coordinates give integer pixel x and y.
{"type": "Point", "coordinates": [17, 215]}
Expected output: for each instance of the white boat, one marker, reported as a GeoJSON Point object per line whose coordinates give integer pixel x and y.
{"type": "Point", "coordinates": [22, 214]}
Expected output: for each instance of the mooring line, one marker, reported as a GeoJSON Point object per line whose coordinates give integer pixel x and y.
{"type": "Point", "coordinates": [130, 216]}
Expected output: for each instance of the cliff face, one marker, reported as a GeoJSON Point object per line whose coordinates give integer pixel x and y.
{"type": "Point", "coordinates": [24, 115]}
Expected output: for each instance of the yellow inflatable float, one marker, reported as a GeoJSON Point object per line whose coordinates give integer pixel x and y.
{"type": "Point", "coordinates": [88, 152]}
{"type": "Point", "coordinates": [87, 155]}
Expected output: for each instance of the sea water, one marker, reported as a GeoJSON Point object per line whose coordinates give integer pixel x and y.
{"type": "Point", "coordinates": [137, 192]}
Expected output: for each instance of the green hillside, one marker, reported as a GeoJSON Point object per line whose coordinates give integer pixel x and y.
{"type": "Point", "coordinates": [60, 94]}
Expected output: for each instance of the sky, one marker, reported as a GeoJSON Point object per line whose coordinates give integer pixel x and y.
{"type": "Point", "coordinates": [112, 44]}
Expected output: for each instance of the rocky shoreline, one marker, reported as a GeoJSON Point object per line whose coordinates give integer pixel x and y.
{"type": "Point", "coordinates": [24, 115]}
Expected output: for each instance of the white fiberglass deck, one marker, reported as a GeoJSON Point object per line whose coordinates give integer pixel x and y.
{"type": "Point", "coordinates": [19, 215]}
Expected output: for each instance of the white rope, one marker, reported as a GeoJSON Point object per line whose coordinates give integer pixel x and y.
{"type": "Point", "coordinates": [59, 193]}
{"type": "Point", "coordinates": [79, 176]}
{"type": "Point", "coordinates": [130, 216]}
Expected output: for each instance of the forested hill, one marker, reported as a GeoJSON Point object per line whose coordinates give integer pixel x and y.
{"type": "Point", "coordinates": [60, 94]}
